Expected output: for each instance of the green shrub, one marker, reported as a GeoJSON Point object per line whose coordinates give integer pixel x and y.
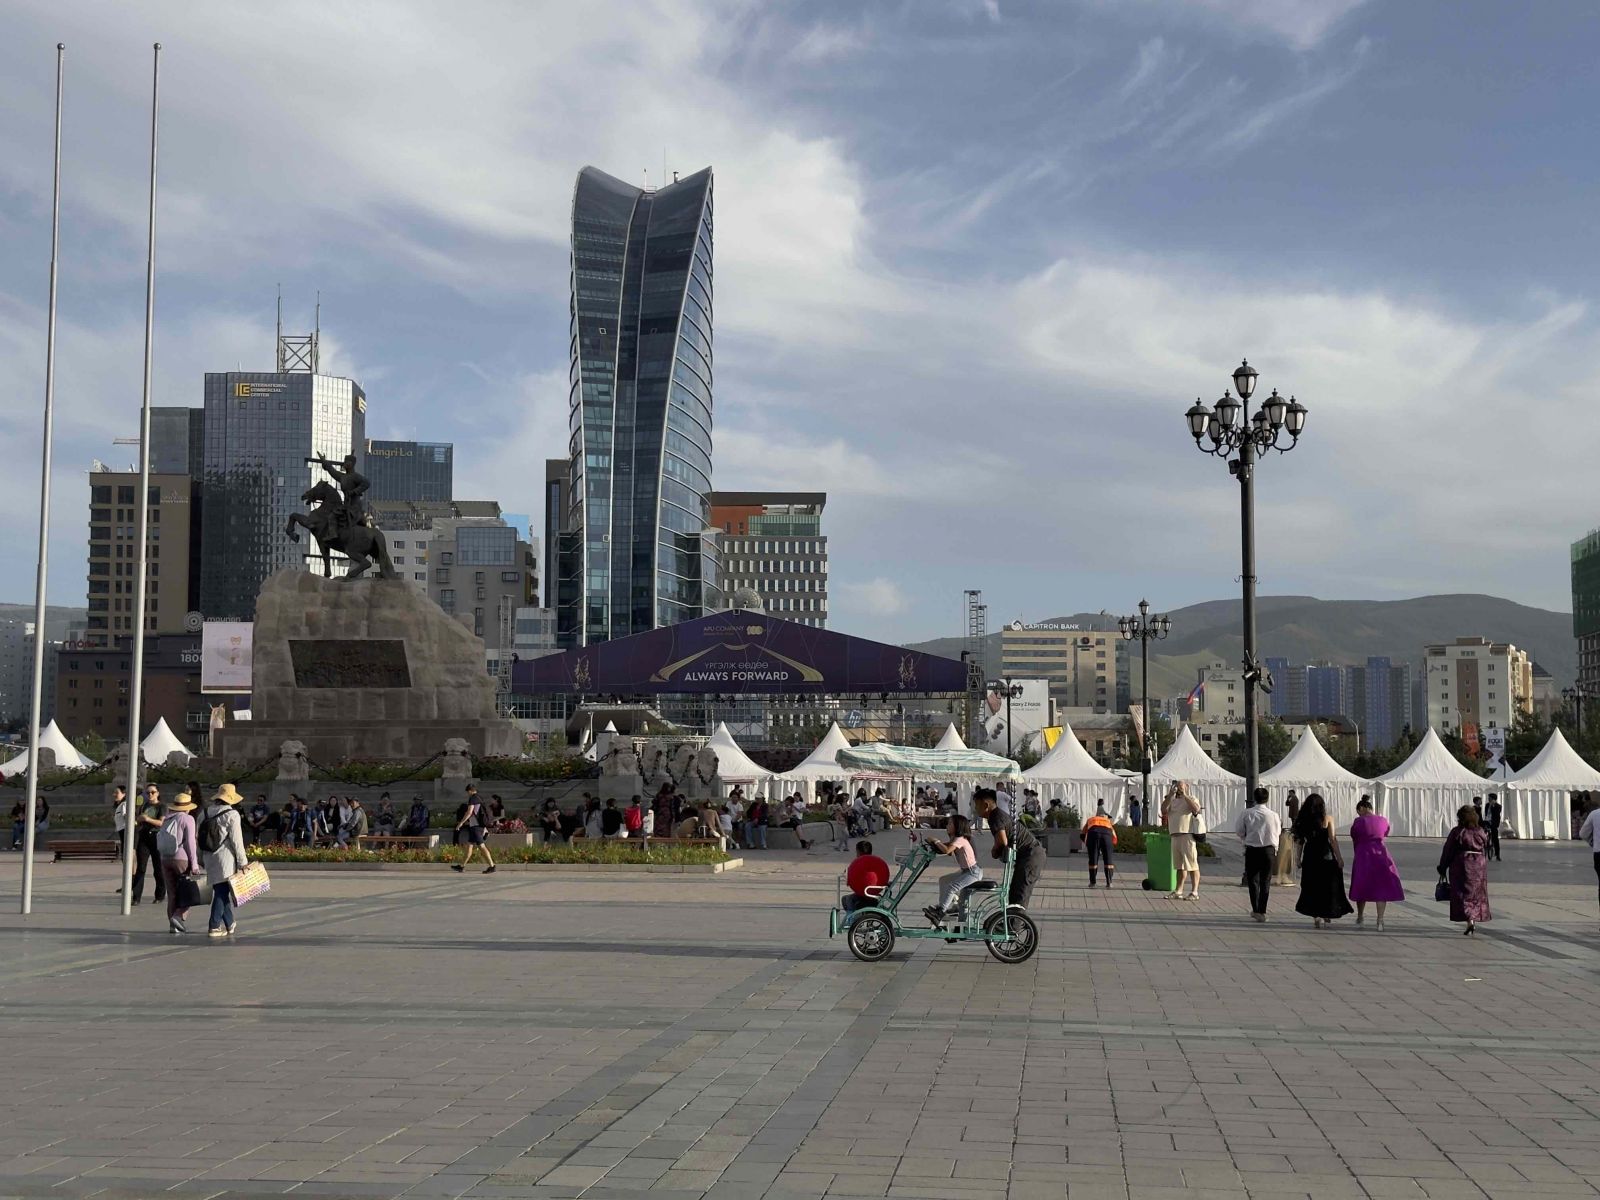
{"type": "Point", "coordinates": [1130, 840]}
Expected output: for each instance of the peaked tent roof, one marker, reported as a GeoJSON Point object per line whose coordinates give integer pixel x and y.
{"type": "Point", "coordinates": [1186, 761]}
{"type": "Point", "coordinates": [1430, 763]}
{"type": "Point", "coordinates": [823, 762]}
{"type": "Point", "coordinates": [1068, 760]}
{"type": "Point", "coordinates": [161, 742]}
{"type": "Point", "coordinates": [1558, 765]}
{"type": "Point", "coordinates": [928, 764]}
{"type": "Point", "coordinates": [1307, 762]}
{"type": "Point", "coordinates": [732, 762]}
{"type": "Point", "coordinates": [951, 739]}
{"type": "Point", "coordinates": [50, 738]}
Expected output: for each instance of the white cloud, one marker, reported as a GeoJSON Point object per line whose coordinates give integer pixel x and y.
{"type": "Point", "coordinates": [875, 597]}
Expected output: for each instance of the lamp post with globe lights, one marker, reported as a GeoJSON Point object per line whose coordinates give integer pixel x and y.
{"type": "Point", "coordinates": [1144, 628]}
{"type": "Point", "coordinates": [1225, 433]}
{"type": "Point", "coordinates": [1574, 698]}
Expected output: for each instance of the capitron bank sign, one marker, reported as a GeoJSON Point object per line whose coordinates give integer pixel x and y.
{"type": "Point", "coordinates": [1057, 626]}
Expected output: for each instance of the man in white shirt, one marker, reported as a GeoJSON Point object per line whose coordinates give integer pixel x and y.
{"type": "Point", "coordinates": [1258, 828]}
{"type": "Point", "coordinates": [1590, 832]}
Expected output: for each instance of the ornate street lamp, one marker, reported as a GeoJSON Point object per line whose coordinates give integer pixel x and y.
{"type": "Point", "coordinates": [1011, 691]}
{"type": "Point", "coordinates": [1574, 698]}
{"type": "Point", "coordinates": [1144, 628]}
{"type": "Point", "coordinates": [1224, 432]}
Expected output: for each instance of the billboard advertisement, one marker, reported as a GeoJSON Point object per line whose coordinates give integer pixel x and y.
{"type": "Point", "coordinates": [740, 652]}
{"type": "Point", "coordinates": [1028, 715]}
{"type": "Point", "coordinates": [225, 656]}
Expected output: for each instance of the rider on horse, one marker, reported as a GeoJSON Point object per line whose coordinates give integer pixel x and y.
{"type": "Point", "coordinates": [352, 485]}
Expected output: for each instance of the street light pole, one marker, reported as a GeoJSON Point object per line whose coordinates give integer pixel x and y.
{"type": "Point", "coordinates": [1230, 433]}
{"type": "Point", "coordinates": [1144, 628]}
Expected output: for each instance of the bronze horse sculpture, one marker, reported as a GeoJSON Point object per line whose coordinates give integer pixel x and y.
{"type": "Point", "coordinates": [329, 522]}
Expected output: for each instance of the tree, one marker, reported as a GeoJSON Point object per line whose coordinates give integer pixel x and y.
{"type": "Point", "coordinates": [92, 746]}
{"type": "Point", "coordinates": [1273, 742]}
{"type": "Point", "coordinates": [1526, 737]}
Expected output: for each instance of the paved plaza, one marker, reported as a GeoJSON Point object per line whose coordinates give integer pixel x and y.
{"type": "Point", "coordinates": [424, 1034]}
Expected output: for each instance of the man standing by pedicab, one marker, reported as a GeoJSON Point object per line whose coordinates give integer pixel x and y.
{"type": "Point", "coordinates": [1009, 831]}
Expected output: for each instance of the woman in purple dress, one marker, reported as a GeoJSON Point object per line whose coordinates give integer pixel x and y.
{"type": "Point", "coordinates": [1372, 874]}
{"type": "Point", "coordinates": [1467, 868]}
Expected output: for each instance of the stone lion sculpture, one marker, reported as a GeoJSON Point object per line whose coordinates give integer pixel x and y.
{"type": "Point", "coordinates": [292, 764]}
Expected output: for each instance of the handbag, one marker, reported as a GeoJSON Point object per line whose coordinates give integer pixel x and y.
{"type": "Point", "coordinates": [193, 891]}
{"type": "Point", "coordinates": [1197, 828]}
{"type": "Point", "coordinates": [1441, 891]}
{"type": "Point", "coordinates": [249, 883]}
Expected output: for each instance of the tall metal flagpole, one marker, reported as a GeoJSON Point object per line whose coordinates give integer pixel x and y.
{"type": "Point", "coordinates": [142, 507]}
{"type": "Point", "coordinates": [44, 515]}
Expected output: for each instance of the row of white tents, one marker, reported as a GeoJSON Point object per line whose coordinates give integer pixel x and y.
{"type": "Point", "coordinates": [156, 748]}
{"type": "Point", "coordinates": [1420, 797]}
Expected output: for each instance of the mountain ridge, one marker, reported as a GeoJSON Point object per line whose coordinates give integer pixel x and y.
{"type": "Point", "coordinates": [1305, 629]}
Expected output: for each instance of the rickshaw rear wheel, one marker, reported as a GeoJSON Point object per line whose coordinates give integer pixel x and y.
{"type": "Point", "coordinates": [871, 936]}
{"type": "Point", "coordinates": [1024, 939]}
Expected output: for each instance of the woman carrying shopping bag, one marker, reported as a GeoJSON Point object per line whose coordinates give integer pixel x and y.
{"type": "Point", "coordinates": [222, 851]}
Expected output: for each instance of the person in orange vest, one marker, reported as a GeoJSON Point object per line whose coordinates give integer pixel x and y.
{"type": "Point", "coordinates": [1099, 838]}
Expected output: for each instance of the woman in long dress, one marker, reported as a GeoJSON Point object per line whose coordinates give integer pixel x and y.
{"type": "Point", "coordinates": [1373, 878]}
{"type": "Point", "coordinates": [1466, 866]}
{"type": "Point", "coordinates": [1322, 895]}
{"type": "Point", "coordinates": [1178, 812]}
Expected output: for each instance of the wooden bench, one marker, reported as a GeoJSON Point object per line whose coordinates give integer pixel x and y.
{"type": "Point", "coordinates": [671, 841]}
{"type": "Point", "coordinates": [88, 851]}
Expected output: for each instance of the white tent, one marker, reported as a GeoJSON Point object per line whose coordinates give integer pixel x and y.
{"type": "Point", "coordinates": [1220, 792]}
{"type": "Point", "coordinates": [162, 742]}
{"type": "Point", "coordinates": [1068, 774]}
{"type": "Point", "coordinates": [1309, 768]}
{"type": "Point", "coordinates": [733, 764]}
{"type": "Point", "coordinates": [50, 738]}
{"type": "Point", "coordinates": [822, 763]}
{"type": "Point", "coordinates": [602, 743]}
{"type": "Point", "coordinates": [1538, 802]}
{"type": "Point", "coordinates": [951, 739]}
{"type": "Point", "coordinates": [1420, 796]}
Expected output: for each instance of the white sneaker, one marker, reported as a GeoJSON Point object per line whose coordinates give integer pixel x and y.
{"type": "Point", "coordinates": [219, 932]}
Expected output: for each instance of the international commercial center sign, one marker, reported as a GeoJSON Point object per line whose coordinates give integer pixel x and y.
{"type": "Point", "coordinates": [734, 652]}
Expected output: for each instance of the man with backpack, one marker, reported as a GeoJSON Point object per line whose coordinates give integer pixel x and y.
{"type": "Point", "coordinates": [475, 822]}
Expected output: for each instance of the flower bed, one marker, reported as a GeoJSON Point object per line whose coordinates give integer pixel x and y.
{"type": "Point", "coordinates": [603, 854]}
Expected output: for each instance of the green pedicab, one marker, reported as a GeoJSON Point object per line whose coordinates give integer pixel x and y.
{"type": "Point", "coordinates": [1006, 930]}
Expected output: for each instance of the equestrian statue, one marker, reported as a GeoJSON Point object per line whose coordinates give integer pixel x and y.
{"type": "Point", "coordinates": [339, 520]}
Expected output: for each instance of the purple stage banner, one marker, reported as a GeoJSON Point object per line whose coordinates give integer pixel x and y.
{"type": "Point", "coordinates": [740, 652]}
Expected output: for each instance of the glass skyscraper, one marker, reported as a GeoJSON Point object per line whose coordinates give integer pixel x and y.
{"type": "Point", "coordinates": [260, 427]}
{"type": "Point", "coordinates": [416, 471]}
{"type": "Point", "coordinates": [642, 551]}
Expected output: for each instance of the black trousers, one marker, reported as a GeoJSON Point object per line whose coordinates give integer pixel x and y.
{"type": "Point", "coordinates": [1024, 874]}
{"type": "Point", "coordinates": [1258, 864]}
{"type": "Point", "coordinates": [146, 854]}
{"type": "Point", "coordinates": [1494, 840]}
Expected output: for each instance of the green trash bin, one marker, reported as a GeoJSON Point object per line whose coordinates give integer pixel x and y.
{"type": "Point", "coordinates": [1158, 873]}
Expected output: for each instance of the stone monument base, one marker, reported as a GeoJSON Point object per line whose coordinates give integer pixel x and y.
{"type": "Point", "coordinates": [365, 669]}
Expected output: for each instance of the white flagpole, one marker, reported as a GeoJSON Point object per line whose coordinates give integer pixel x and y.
{"type": "Point", "coordinates": [142, 508]}
{"type": "Point", "coordinates": [44, 516]}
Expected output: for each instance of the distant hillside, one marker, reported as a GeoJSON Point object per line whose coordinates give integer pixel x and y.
{"type": "Point", "coordinates": [1304, 629]}
{"type": "Point", "coordinates": [57, 618]}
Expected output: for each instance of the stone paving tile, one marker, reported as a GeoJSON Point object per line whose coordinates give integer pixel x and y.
{"type": "Point", "coordinates": [366, 1045]}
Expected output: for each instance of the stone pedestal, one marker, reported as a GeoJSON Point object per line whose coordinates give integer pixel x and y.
{"type": "Point", "coordinates": [365, 669]}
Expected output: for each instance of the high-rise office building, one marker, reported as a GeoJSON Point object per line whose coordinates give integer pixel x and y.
{"type": "Point", "coordinates": [1083, 668]}
{"type": "Point", "coordinates": [481, 571]}
{"type": "Point", "coordinates": [16, 672]}
{"type": "Point", "coordinates": [114, 559]}
{"type": "Point", "coordinates": [772, 543]}
{"type": "Point", "coordinates": [1325, 691]}
{"type": "Point", "coordinates": [177, 441]}
{"type": "Point", "coordinates": [417, 471]}
{"type": "Point", "coordinates": [643, 553]}
{"type": "Point", "coordinates": [1586, 610]}
{"type": "Point", "coordinates": [1474, 681]}
{"type": "Point", "coordinates": [261, 427]}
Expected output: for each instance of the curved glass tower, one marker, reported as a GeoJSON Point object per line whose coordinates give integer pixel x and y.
{"type": "Point", "coordinates": [640, 551]}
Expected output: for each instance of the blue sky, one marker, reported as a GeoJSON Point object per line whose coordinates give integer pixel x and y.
{"type": "Point", "coordinates": [973, 261]}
